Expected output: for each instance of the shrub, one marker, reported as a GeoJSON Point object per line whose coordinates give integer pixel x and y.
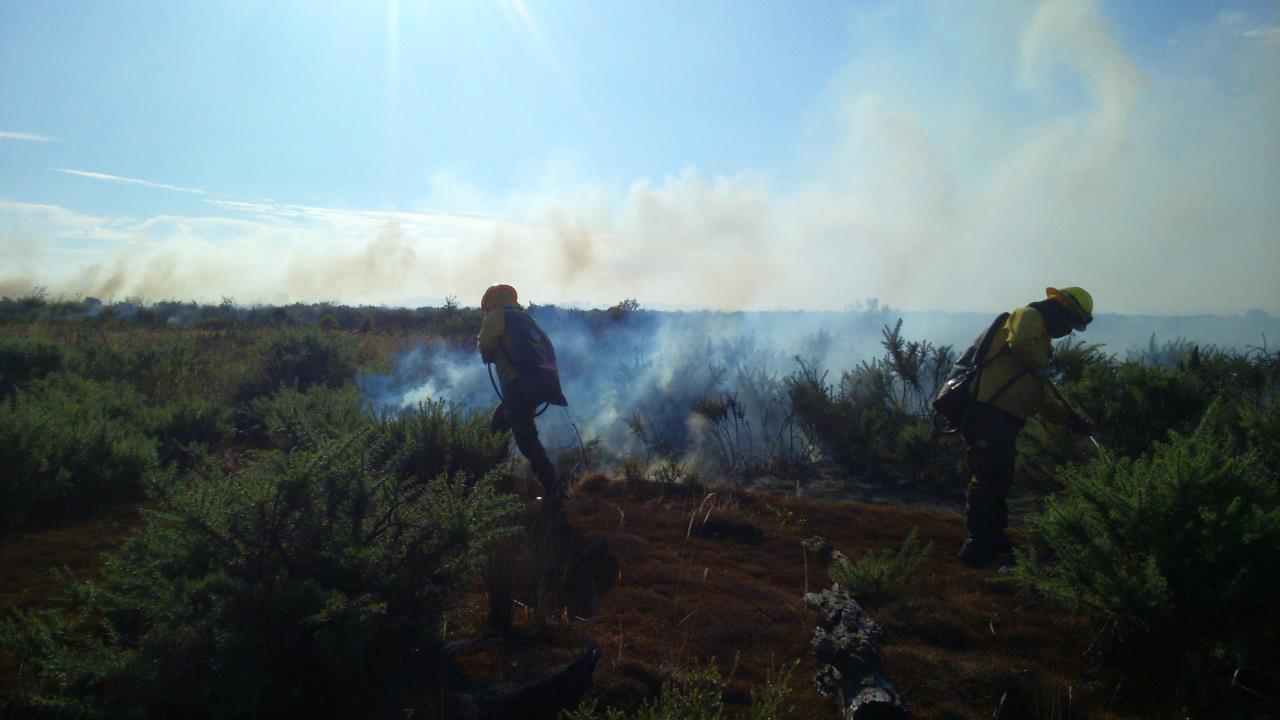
{"type": "Point", "coordinates": [877, 409]}
{"type": "Point", "coordinates": [23, 359]}
{"type": "Point", "coordinates": [67, 446]}
{"type": "Point", "coordinates": [156, 363]}
{"type": "Point", "coordinates": [443, 439]}
{"type": "Point", "coordinates": [922, 456]}
{"type": "Point", "coordinates": [670, 473]}
{"type": "Point", "coordinates": [192, 421]}
{"type": "Point", "coordinates": [660, 410]}
{"type": "Point", "coordinates": [300, 358]}
{"type": "Point", "coordinates": [1179, 549]}
{"type": "Point", "coordinates": [1261, 428]}
{"type": "Point", "coordinates": [831, 417]}
{"type": "Point", "coordinates": [428, 439]}
{"type": "Point", "coordinates": [878, 573]}
{"type": "Point", "coordinates": [289, 417]}
{"type": "Point", "coordinates": [1136, 403]}
{"type": "Point", "coordinates": [698, 694]}
{"type": "Point", "coordinates": [751, 430]}
{"type": "Point", "coordinates": [304, 584]}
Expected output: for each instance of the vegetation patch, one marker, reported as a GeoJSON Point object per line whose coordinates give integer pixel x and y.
{"type": "Point", "coordinates": [305, 582]}
{"type": "Point", "coordinates": [880, 572]}
{"type": "Point", "coordinates": [1177, 549]}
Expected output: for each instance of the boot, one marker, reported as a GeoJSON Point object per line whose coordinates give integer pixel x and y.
{"type": "Point", "coordinates": [977, 554]}
{"type": "Point", "coordinates": [552, 491]}
{"type": "Point", "coordinates": [982, 553]}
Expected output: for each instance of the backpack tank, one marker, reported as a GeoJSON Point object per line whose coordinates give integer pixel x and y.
{"type": "Point", "coordinates": [533, 354]}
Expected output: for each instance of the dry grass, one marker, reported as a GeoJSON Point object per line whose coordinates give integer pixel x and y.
{"type": "Point", "coordinates": [731, 585]}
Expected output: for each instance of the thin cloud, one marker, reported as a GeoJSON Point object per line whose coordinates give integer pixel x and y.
{"type": "Point", "coordinates": [29, 137]}
{"type": "Point", "coordinates": [38, 220]}
{"type": "Point", "coordinates": [448, 224]}
{"type": "Point", "coordinates": [1269, 36]}
{"type": "Point", "coordinates": [129, 181]}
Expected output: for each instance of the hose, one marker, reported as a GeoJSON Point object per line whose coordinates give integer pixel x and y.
{"type": "Point", "coordinates": [494, 383]}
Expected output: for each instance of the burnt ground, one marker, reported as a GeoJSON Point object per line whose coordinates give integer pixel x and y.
{"type": "Point", "coordinates": [656, 588]}
{"type": "Point", "coordinates": [664, 578]}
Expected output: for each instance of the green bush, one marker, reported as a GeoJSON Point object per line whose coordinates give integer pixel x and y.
{"type": "Point", "coordinates": [289, 417]}
{"type": "Point", "coordinates": [698, 694]}
{"type": "Point", "coordinates": [846, 424]}
{"type": "Point", "coordinates": [67, 447]}
{"type": "Point", "coordinates": [300, 358]}
{"type": "Point", "coordinates": [430, 439]}
{"type": "Point", "coordinates": [1261, 428]}
{"type": "Point", "coordinates": [922, 456]}
{"type": "Point", "coordinates": [878, 573]}
{"type": "Point", "coordinates": [443, 439]}
{"type": "Point", "coordinates": [304, 584]}
{"type": "Point", "coordinates": [1179, 549]}
{"type": "Point", "coordinates": [23, 359]}
{"type": "Point", "coordinates": [876, 415]}
{"type": "Point", "coordinates": [192, 421]}
{"type": "Point", "coordinates": [156, 363]}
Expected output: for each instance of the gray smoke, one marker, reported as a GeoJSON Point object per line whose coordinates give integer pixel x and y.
{"type": "Point", "coordinates": [634, 383]}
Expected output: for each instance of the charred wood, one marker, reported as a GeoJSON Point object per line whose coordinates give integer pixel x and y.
{"type": "Point", "coordinates": [848, 642]}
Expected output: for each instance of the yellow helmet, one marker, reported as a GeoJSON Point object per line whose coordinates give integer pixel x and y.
{"type": "Point", "coordinates": [1075, 299]}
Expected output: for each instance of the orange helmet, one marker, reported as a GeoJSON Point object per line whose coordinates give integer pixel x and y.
{"type": "Point", "coordinates": [496, 296]}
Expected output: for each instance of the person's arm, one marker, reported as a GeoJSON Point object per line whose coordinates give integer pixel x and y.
{"type": "Point", "coordinates": [491, 331]}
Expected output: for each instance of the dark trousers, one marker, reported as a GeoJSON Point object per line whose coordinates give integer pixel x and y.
{"type": "Point", "coordinates": [989, 437]}
{"type": "Point", "coordinates": [515, 413]}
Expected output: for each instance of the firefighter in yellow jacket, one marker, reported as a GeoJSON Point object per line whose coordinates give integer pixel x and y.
{"type": "Point", "coordinates": [1013, 385]}
{"type": "Point", "coordinates": [520, 397]}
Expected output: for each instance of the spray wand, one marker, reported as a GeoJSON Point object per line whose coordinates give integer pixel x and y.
{"type": "Point", "coordinates": [1093, 437]}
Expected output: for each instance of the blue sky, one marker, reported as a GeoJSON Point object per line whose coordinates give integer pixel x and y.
{"type": "Point", "coordinates": [730, 155]}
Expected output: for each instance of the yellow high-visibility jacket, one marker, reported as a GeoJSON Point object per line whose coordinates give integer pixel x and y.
{"type": "Point", "coordinates": [493, 331]}
{"type": "Point", "coordinates": [1021, 345]}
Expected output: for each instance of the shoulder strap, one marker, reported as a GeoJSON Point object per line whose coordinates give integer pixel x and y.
{"type": "Point", "coordinates": [506, 328]}
{"type": "Point", "coordinates": [990, 335]}
{"type": "Point", "coordinates": [983, 360]}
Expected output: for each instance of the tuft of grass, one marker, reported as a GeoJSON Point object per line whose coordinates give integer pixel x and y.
{"type": "Point", "coordinates": [698, 694]}
{"type": "Point", "coordinates": [669, 474]}
{"type": "Point", "coordinates": [880, 572]}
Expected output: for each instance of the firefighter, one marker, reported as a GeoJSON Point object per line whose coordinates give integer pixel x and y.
{"type": "Point", "coordinates": [505, 336]}
{"type": "Point", "coordinates": [1013, 385]}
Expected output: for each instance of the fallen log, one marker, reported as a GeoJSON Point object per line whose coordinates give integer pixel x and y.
{"type": "Point", "coordinates": [848, 641]}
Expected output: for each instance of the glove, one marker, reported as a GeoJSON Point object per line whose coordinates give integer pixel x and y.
{"type": "Point", "coordinates": [1081, 426]}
